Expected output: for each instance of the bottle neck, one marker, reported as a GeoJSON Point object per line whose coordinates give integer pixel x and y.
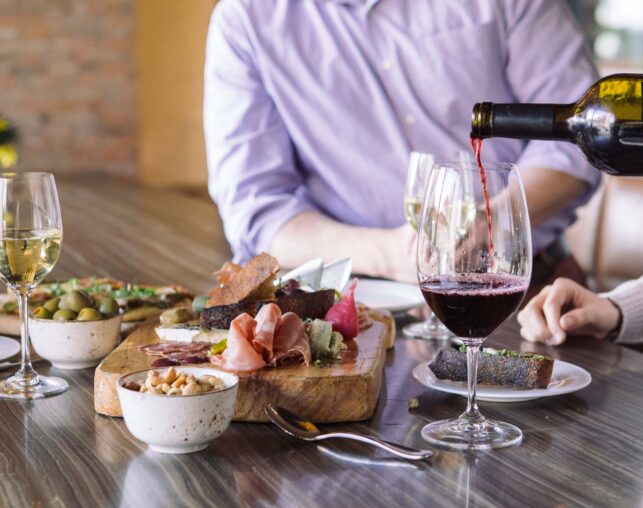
{"type": "Point", "coordinates": [521, 121]}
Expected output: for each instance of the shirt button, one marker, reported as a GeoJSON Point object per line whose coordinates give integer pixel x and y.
{"type": "Point", "coordinates": [387, 64]}
{"type": "Point", "coordinates": [410, 119]}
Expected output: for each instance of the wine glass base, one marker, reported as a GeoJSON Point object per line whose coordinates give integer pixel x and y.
{"type": "Point", "coordinates": [47, 386]}
{"type": "Point", "coordinates": [458, 434]}
{"type": "Point", "coordinates": [427, 330]}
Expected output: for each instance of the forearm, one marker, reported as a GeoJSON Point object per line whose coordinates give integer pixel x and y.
{"type": "Point", "coordinates": [548, 191]}
{"type": "Point", "coordinates": [310, 235]}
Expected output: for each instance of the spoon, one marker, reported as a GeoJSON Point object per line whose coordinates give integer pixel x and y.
{"type": "Point", "coordinates": [308, 431]}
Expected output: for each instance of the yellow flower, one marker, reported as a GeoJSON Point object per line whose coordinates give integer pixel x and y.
{"type": "Point", "coordinates": [8, 156]}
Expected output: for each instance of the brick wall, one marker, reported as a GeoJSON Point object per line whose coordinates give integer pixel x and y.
{"type": "Point", "coordinates": [67, 82]}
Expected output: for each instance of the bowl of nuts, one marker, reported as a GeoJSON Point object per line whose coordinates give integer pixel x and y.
{"type": "Point", "coordinates": [177, 410]}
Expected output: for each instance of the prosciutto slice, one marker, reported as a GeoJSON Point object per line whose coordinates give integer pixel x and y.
{"type": "Point", "coordinates": [291, 341]}
{"type": "Point", "coordinates": [239, 353]}
{"type": "Point", "coordinates": [268, 318]}
{"type": "Point", "coordinates": [269, 339]}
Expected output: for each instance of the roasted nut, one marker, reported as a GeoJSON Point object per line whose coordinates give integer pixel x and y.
{"type": "Point", "coordinates": [191, 389]}
{"type": "Point", "coordinates": [170, 375]}
{"type": "Point", "coordinates": [179, 382]}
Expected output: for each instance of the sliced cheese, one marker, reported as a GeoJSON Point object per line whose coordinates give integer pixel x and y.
{"type": "Point", "coordinates": [190, 333]}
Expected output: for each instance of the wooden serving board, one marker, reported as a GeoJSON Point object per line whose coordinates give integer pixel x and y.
{"type": "Point", "coordinates": [342, 392]}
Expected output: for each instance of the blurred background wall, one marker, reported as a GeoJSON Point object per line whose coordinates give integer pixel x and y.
{"type": "Point", "coordinates": [116, 85]}
{"type": "Point", "coordinates": [107, 85]}
{"type": "Point", "coordinates": [68, 83]}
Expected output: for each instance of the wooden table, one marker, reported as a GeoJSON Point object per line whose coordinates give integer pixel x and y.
{"type": "Point", "coordinates": [582, 449]}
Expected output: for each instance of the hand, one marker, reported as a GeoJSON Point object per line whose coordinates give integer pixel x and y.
{"type": "Point", "coordinates": [592, 315]}
{"type": "Point", "coordinates": [401, 244]}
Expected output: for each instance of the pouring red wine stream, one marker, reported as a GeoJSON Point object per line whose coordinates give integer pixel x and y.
{"type": "Point", "coordinates": [476, 144]}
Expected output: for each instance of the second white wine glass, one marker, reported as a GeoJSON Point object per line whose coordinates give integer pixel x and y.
{"type": "Point", "coordinates": [416, 178]}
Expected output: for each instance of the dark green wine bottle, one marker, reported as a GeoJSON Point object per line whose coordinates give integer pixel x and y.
{"type": "Point", "coordinates": [606, 123]}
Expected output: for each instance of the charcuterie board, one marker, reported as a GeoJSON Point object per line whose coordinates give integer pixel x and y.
{"type": "Point", "coordinates": [342, 391]}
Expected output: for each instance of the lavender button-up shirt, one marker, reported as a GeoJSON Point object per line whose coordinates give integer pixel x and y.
{"type": "Point", "coordinates": [316, 104]}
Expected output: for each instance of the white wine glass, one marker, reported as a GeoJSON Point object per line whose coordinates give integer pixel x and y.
{"type": "Point", "coordinates": [473, 282]}
{"type": "Point", "coordinates": [416, 178]}
{"type": "Point", "coordinates": [30, 242]}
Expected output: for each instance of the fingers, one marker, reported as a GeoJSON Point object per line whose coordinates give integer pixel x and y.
{"type": "Point", "coordinates": [532, 320]}
{"type": "Point", "coordinates": [534, 327]}
{"type": "Point", "coordinates": [560, 295]}
{"type": "Point", "coordinates": [574, 320]}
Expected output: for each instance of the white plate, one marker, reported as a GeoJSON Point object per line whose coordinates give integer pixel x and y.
{"type": "Point", "coordinates": [388, 295]}
{"type": "Point", "coordinates": [8, 347]}
{"type": "Point", "coordinates": [565, 378]}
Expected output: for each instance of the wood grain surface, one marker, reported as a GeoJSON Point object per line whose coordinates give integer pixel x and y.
{"type": "Point", "coordinates": [339, 392]}
{"type": "Point", "coordinates": [581, 449]}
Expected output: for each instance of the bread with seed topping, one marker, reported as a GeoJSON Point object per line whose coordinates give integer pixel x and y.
{"type": "Point", "coordinates": [496, 367]}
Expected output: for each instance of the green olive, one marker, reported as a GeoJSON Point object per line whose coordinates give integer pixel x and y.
{"type": "Point", "coordinates": [52, 305]}
{"type": "Point", "coordinates": [175, 316]}
{"type": "Point", "coordinates": [10, 307]}
{"type": "Point", "coordinates": [64, 315]}
{"type": "Point", "coordinates": [76, 300]}
{"type": "Point", "coordinates": [140, 313]}
{"type": "Point", "coordinates": [89, 314]}
{"type": "Point", "coordinates": [41, 312]}
{"type": "Point", "coordinates": [108, 306]}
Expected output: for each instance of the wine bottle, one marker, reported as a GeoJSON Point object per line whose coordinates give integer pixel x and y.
{"type": "Point", "coordinates": [606, 123]}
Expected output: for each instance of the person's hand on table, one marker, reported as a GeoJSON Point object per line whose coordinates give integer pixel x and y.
{"type": "Point", "coordinates": [546, 318]}
{"type": "Point", "coordinates": [402, 246]}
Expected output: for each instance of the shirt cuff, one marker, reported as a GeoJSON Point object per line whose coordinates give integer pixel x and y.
{"type": "Point", "coordinates": [629, 298]}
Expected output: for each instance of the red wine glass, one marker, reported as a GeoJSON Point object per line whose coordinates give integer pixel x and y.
{"type": "Point", "coordinates": [473, 275]}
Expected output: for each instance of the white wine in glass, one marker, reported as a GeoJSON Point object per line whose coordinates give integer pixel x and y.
{"type": "Point", "coordinates": [416, 177]}
{"type": "Point", "coordinates": [30, 242]}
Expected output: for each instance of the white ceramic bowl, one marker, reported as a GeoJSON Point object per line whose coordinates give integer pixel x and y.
{"type": "Point", "coordinates": [74, 344]}
{"type": "Point", "coordinates": [178, 423]}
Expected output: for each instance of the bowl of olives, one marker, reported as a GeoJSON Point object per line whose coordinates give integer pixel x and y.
{"type": "Point", "coordinates": [75, 331]}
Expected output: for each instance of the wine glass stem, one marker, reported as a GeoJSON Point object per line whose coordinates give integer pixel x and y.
{"type": "Point", "coordinates": [472, 414]}
{"type": "Point", "coordinates": [26, 376]}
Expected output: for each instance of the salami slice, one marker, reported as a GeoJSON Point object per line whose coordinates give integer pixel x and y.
{"type": "Point", "coordinates": [170, 347]}
{"type": "Point", "coordinates": [186, 357]}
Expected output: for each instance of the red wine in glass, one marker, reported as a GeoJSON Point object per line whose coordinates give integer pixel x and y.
{"type": "Point", "coordinates": [474, 305]}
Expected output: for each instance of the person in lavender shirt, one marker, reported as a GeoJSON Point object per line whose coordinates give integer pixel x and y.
{"type": "Point", "coordinates": [312, 108]}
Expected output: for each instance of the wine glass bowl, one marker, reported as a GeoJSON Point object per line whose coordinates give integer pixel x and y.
{"type": "Point", "coordinates": [473, 270]}
{"type": "Point", "coordinates": [30, 244]}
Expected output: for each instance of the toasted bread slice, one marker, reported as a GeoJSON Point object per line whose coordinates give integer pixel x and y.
{"type": "Point", "coordinates": [252, 281]}
{"type": "Point", "coordinates": [305, 305]}
{"type": "Point", "coordinates": [524, 370]}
